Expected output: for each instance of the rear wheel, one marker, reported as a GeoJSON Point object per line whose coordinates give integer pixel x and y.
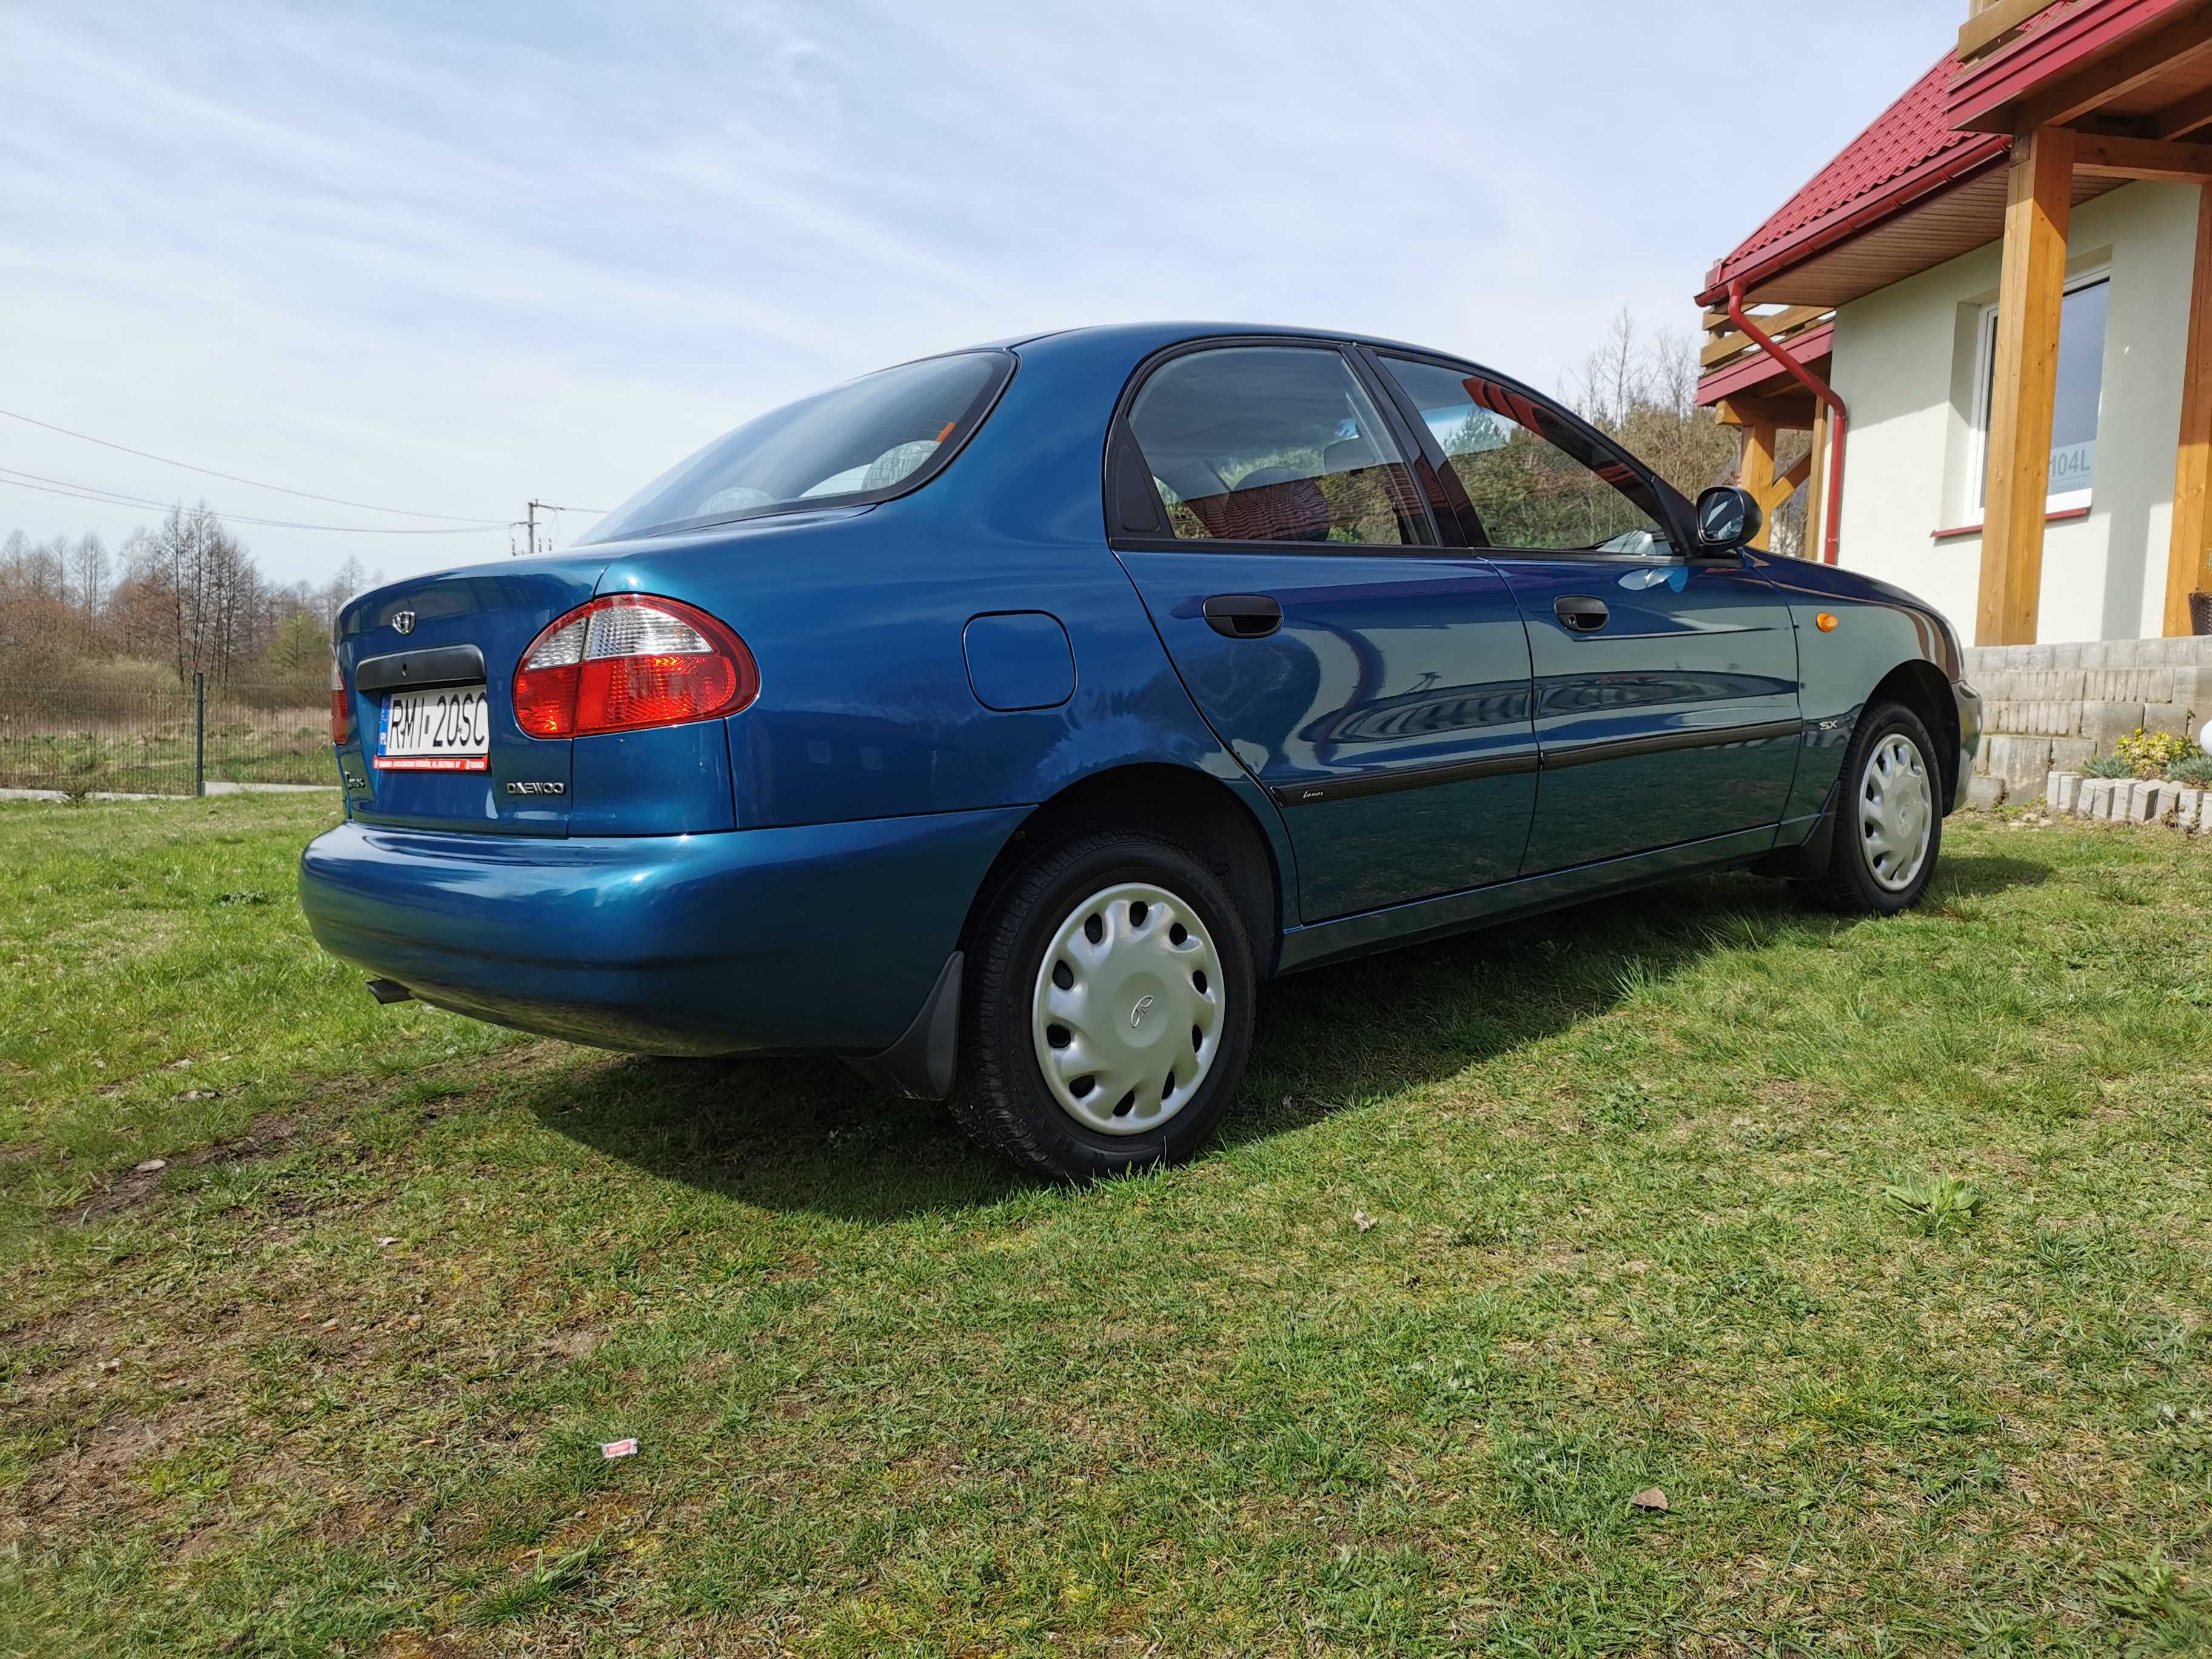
{"type": "Point", "coordinates": [1889, 824]}
{"type": "Point", "coordinates": [1110, 1010]}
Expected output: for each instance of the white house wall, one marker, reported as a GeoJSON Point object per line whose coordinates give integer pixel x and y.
{"type": "Point", "coordinates": [1904, 364]}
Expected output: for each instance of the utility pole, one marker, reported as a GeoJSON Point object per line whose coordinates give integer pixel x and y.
{"type": "Point", "coordinates": [528, 522]}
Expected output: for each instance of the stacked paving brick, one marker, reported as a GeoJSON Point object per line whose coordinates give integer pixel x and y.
{"type": "Point", "coordinates": [2046, 708]}
{"type": "Point", "coordinates": [2129, 800]}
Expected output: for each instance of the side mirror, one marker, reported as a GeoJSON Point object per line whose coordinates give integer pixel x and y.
{"type": "Point", "coordinates": [1727, 519]}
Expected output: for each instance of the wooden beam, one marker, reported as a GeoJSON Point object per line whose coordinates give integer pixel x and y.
{"type": "Point", "coordinates": [1788, 415]}
{"type": "Point", "coordinates": [2189, 551]}
{"type": "Point", "coordinates": [2121, 73]}
{"type": "Point", "coordinates": [1790, 483]}
{"type": "Point", "coordinates": [1995, 24]}
{"type": "Point", "coordinates": [2142, 158]}
{"type": "Point", "coordinates": [1781, 323]}
{"type": "Point", "coordinates": [2179, 120]}
{"type": "Point", "coordinates": [2040, 195]}
{"type": "Point", "coordinates": [1756, 469]}
{"type": "Point", "coordinates": [1816, 487]}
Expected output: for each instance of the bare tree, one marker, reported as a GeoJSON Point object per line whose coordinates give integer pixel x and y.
{"type": "Point", "coordinates": [1645, 393]}
{"type": "Point", "coordinates": [88, 580]}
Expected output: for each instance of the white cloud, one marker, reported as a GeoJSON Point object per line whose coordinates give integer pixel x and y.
{"type": "Point", "coordinates": [452, 258]}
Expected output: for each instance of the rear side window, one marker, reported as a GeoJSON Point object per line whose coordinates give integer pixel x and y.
{"type": "Point", "coordinates": [1537, 482]}
{"type": "Point", "coordinates": [1272, 444]}
{"type": "Point", "coordinates": [867, 440]}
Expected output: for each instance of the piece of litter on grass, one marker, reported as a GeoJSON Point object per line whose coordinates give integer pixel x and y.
{"type": "Point", "coordinates": [1362, 1220]}
{"type": "Point", "coordinates": [198, 1094]}
{"type": "Point", "coordinates": [111, 1365]}
{"type": "Point", "coordinates": [384, 1243]}
{"type": "Point", "coordinates": [330, 1324]}
{"type": "Point", "coordinates": [1651, 1498]}
{"type": "Point", "coordinates": [619, 1448]}
{"type": "Point", "coordinates": [150, 1166]}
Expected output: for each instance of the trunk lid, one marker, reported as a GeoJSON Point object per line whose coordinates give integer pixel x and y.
{"type": "Point", "coordinates": [496, 610]}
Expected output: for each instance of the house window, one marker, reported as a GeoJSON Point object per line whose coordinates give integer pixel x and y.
{"type": "Point", "coordinates": [2081, 389]}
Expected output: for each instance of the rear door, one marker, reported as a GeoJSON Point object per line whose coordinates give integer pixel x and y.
{"type": "Point", "coordinates": [1666, 687]}
{"type": "Point", "coordinates": [1375, 680]}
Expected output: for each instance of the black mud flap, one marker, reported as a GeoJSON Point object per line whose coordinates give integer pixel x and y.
{"type": "Point", "coordinates": [921, 1064]}
{"type": "Point", "coordinates": [1808, 860]}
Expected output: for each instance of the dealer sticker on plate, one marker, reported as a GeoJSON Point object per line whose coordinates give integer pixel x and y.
{"type": "Point", "coordinates": [445, 730]}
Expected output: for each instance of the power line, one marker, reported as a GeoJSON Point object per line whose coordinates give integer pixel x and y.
{"type": "Point", "coordinates": [233, 478]}
{"type": "Point", "coordinates": [116, 498]}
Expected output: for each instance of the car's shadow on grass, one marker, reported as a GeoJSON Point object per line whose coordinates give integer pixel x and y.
{"type": "Point", "coordinates": [810, 1135]}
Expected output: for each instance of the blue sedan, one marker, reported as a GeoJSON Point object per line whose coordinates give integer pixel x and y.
{"type": "Point", "coordinates": [998, 722]}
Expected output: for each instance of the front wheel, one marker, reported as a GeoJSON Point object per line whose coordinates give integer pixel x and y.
{"type": "Point", "coordinates": [1110, 1010]}
{"type": "Point", "coordinates": [1889, 818]}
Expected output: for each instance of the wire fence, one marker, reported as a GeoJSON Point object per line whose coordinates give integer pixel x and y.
{"type": "Point", "coordinates": [135, 739]}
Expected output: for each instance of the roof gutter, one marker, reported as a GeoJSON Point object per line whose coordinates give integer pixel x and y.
{"type": "Point", "coordinates": [1838, 421]}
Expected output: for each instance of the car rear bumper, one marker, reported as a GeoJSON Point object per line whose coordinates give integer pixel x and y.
{"type": "Point", "coordinates": [823, 939]}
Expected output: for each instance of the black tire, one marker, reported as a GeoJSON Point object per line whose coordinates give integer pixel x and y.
{"type": "Point", "coordinates": [1851, 885]}
{"type": "Point", "coordinates": [1003, 1099]}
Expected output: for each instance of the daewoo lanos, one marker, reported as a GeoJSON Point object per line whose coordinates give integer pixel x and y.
{"type": "Point", "coordinates": [1000, 721]}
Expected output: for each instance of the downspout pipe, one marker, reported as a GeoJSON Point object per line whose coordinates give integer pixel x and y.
{"type": "Point", "coordinates": [1838, 418]}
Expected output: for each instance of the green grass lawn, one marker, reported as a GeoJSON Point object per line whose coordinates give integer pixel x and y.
{"type": "Point", "coordinates": [1883, 1249]}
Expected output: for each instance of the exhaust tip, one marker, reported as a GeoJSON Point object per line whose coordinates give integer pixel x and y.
{"type": "Point", "coordinates": [390, 991]}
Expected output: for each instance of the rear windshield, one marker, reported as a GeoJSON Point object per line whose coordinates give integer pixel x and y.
{"type": "Point", "coordinates": [866, 441]}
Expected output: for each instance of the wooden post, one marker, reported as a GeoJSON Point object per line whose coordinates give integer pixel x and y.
{"type": "Point", "coordinates": [2188, 554]}
{"type": "Point", "coordinates": [2029, 296]}
{"type": "Point", "coordinates": [1816, 488]}
{"type": "Point", "coordinates": [1759, 476]}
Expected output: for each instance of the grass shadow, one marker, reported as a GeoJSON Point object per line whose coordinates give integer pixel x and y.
{"type": "Point", "coordinates": [810, 1135]}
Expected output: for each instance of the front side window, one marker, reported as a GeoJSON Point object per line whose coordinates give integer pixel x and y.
{"type": "Point", "coordinates": [2079, 395]}
{"type": "Point", "coordinates": [1536, 482]}
{"type": "Point", "coordinates": [1273, 444]}
{"type": "Point", "coordinates": [865, 440]}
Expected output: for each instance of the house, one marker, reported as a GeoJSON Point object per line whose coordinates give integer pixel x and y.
{"type": "Point", "coordinates": [1993, 314]}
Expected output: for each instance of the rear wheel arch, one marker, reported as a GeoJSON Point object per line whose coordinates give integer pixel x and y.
{"type": "Point", "coordinates": [1180, 804]}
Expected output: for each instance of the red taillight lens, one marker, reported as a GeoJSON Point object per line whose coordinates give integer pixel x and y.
{"type": "Point", "coordinates": [630, 660]}
{"type": "Point", "coordinates": [341, 715]}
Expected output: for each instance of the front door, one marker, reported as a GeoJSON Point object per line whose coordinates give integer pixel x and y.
{"type": "Point", "coordinates": [1666, 686]}
{"type": "Point", "coordinates": [1376, 682]}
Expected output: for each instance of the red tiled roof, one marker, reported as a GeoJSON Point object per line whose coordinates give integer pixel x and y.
{"type": "Point", "coordinates": [1911, 149]}
{"type": "Point", "coordinates": [1909, 144]}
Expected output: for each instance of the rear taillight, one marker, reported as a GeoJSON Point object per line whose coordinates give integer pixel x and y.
{"type": "Point", "coordinates": [341, 716]}
{"type": "Point", "coordinates": [630, 660]}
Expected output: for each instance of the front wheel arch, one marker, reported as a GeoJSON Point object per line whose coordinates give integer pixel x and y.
{"type": "Point", "coordinates": [1923, 687]}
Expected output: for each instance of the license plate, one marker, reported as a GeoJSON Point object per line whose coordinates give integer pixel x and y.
{"type": "Point", "coordinates": [445, 730]}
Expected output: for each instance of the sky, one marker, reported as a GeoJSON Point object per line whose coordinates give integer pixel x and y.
{"type": "Point", "coordinates": [447, 258]}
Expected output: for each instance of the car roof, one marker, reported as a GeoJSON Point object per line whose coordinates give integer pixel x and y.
{"type": "Point", "coordinates": [1144, 337]}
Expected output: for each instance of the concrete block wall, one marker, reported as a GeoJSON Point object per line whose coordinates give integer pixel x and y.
{"type": "Point", "coordinates": [2047, 708]}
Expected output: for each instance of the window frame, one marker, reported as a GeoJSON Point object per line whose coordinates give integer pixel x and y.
{"type": "Point", "coordinates": [1128, 482]}
{"type": "Point", "coordinates": [1977, 429]}
{"type": "Point", "coordinates": [1675, 510]}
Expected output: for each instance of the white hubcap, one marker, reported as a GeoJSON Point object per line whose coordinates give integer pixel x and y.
{"type": "Point", "coordinates": [1127, 1014]}
{"type": "Point", "coordinates": [1896, 811]}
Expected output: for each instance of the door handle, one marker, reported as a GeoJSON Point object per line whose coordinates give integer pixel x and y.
{"type": "Point", "coordinates": [1579, 613]}
{"type": "Point", "coordinates": [1243, 616]}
